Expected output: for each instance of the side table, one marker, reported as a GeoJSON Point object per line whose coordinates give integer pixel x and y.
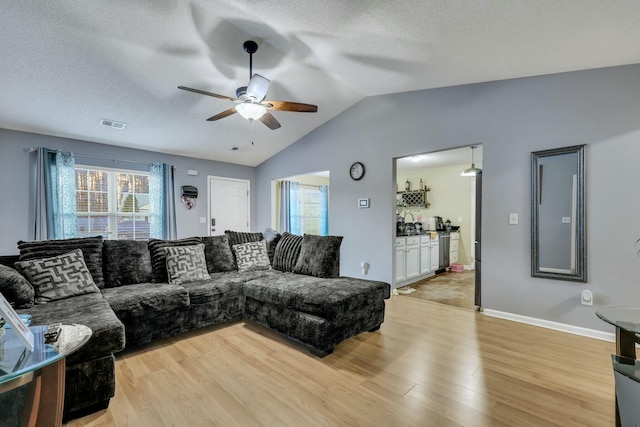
{"type": "Point", "coordinates": [43, 369]}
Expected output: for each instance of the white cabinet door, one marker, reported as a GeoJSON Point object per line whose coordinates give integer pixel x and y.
{"type": "Point", "coordinates": [425, 258]}
{"type": "Point", "coordinates": [435, 256]}
{"type": "Point", "coordinates": [412, 261]}
{"type": "Point", "coordinates": [453, 257]}
{"type": "Point", "coordinates": [400, 270]}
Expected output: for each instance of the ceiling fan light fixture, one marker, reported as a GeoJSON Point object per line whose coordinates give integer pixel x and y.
{"type": "Point", "coordinates": [250, 111]}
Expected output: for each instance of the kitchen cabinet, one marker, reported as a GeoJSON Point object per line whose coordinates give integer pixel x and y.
{"type": "Point", "coordinates": [412, 257]}
{"type": "Point", "coordinates": [453, 248]}
{"type": "Point", "coordinates": [435, 254]}
{"type": "Point", "coordinates": [400, 257]}
{"type": "Point", "coordinates": [425, 254]}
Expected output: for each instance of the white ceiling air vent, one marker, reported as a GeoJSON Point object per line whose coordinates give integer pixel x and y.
{"type": "Point", "coordinates": [112, 124]}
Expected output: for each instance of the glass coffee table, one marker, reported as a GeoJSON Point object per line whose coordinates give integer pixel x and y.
{"type": "Point", "coordinates": [43, 369]}
{"type": "Point", "coordinates": [627, 323]}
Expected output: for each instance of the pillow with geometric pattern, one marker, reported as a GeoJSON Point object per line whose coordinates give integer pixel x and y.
{"type": "Point", "coordinates": [58, 277]}
{"type": "Point", "coordinates": [186, 264]}
{"type": "Point", "coordinates": [252, 256]}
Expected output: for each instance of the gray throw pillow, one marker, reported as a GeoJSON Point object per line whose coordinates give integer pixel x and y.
{"type": "Point", "coordinates": [319, 256]}
{"type": "Point", "coordinates": [272, 237]}
{"type": "Point", "coordinates": [287, 252]}
{"type": "Point", "coordinates": [252, 256]}
{"type": "Point", "coordinates": [58, 277]}
{"type": "Point", "coordinates": [91, 251]}
{"type": "Point", "coordinates": [15, 288]}
{"type": "Point", "coordinates": [159, 257]}
{"type": "Point", "coordinates": [218, 254]}
{"type": "Point", "coordinates": [126, 262]}
{"type": "Point", "coordinates": [186, 264]}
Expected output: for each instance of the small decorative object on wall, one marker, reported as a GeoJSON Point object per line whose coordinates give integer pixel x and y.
{"type": "Point", "coordinates": [12, 318]}
{"type": "Point", "coordinates": [407, 186]}
{"type": "Point", "coordinates": [363, 203]}
{"type": "Point", "coordinates": [357, 171]}
{"type": "Point", "coordinates": [189, 195]}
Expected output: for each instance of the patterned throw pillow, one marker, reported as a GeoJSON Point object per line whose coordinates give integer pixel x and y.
{"type": "Point", "coordinates": [91, 251]}
{"type": "Point", "coordinates": [59, 277]}
{"type": "Point", "coordinates": [252, 256]}
{"type": "Point", "coordinates": [319, 256]}
{"type": "Point", "coordinates": [186, 264]}
{"type": "Point", "coordinates": [287, 252]}
{"type": "Point", "coordinates": [15, 288]}
{"type": "Point", "coordinates": [159, 257]}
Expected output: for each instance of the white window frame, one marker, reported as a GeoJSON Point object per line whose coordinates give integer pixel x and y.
{"type": "Point", "coordinates": [112, 203]}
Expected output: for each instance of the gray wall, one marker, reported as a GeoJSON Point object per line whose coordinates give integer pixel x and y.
{"type": "Point", "coordinates": [600, 108]}
{"type": "Point", "coordinates": [16, 167]}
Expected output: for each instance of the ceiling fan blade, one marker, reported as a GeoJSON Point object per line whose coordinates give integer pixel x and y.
{"type": "Point", "coordinates": [204, 92]}
{"type": "Point", "coordinates": [298, 107]}
{"type": "Point", "coordinates": [270, 121]}
{"type": "Point", "coordinates": [225, 113]}
{"type": "Point", "coordinates": [258, 87]}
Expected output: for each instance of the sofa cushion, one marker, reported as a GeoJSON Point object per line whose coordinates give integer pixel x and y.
{"type": "Point", "coordinates": [91, 251]}
{"type": "Point", "coordinates": [126, 262]}
{"type": "Point", "coordinates": [327, 298]}
{"type": "Point", "coordinates": [287, 252]}
{"type": "Point", "coordinates": [319, 256]}
{"type": "Point", "coordinates": [91, 310]}
{"type": "Point", "coordinates": [186, 264]}
{"type": "Point", "coordinates": [159, 257]}
{"type": "Point", "coordinates": [15, 288]}
{"type": "Point", "coordinates": [271, 237]}
{"type": "Point", "coordinates": [218, 254]}
{"type": "Point", "coordinates": [145, 299]}
{"type": "Point", "coordinates": [219, 286]}
{"type": "Point", "coordinates": [58, 277]}
{"type": "Point", "coordinates": [252, 256]}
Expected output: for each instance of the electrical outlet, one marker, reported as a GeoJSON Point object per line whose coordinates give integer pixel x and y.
{"type": "Point", "coordinates": [586, 297]}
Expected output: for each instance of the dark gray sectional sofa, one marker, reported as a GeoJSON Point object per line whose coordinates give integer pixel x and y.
{"type": "Point", "coordinates": [301, 297]}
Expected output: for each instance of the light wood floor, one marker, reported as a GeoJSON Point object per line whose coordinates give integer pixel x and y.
{"type": "Point", "coordinates": [429, 365]}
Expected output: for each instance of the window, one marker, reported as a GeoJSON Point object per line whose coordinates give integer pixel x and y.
{"type": "Point", "coordinates": [310, 202]}
{"type": "Point", "coordinates": [112, 203]}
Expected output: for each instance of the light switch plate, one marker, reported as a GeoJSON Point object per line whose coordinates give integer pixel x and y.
{"type": "Point", "coordinates": [566, 220]}
{"type": "Point", "coordinates": [513, 218]}
{"type": "Point", "coordinates": [203, 220]}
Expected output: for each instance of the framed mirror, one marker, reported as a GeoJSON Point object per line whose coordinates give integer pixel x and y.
{"type": "Point", "coordinates": [558, 241]}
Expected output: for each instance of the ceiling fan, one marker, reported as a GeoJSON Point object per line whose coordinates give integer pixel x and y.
{"type": "Point", "coordinates": [250, 99]}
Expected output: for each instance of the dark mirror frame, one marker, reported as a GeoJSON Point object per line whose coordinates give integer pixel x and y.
{"type": "Point", "coordinates": [580, 274]}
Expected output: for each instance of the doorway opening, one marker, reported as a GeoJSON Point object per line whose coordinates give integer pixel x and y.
{"type": "Point", "coordinates": [300, 204]}
{"type": "Point", "coordinates": [437, 227]}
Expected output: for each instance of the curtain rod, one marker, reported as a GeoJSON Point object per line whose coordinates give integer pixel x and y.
{"type": "Point", "coordinates": [86, 156]}
{"type": "Point", "coordinates": [113, 159]}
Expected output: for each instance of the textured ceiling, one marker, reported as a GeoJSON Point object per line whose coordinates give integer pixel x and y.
{"type": "Point", "coordinates": [64, 65]}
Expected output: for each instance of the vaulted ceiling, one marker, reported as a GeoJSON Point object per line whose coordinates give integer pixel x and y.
{"type": "Point", "coordinates": [65, 65]}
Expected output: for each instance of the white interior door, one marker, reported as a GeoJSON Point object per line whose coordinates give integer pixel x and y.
{"type": "Point", "coordinates": [228, 205]}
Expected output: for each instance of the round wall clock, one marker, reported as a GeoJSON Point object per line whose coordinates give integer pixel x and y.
{"type": "Point", "coordinates": [357, 171]}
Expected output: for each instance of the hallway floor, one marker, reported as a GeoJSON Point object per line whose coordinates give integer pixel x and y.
{"type": "Point", "coordinates": [456, 289]}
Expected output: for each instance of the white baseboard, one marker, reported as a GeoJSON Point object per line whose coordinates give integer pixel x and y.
{"type": "Point", "coordinates": [576, 330]}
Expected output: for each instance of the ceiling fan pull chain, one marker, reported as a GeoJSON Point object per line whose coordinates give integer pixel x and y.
{"type": "Point", "coordinates": [252, 132]}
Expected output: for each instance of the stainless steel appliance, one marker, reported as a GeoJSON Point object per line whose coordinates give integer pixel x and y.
{"type": "Point", "coordinates": [439, 223]}
{"type": "Point", "coordinates": [445, 241]}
